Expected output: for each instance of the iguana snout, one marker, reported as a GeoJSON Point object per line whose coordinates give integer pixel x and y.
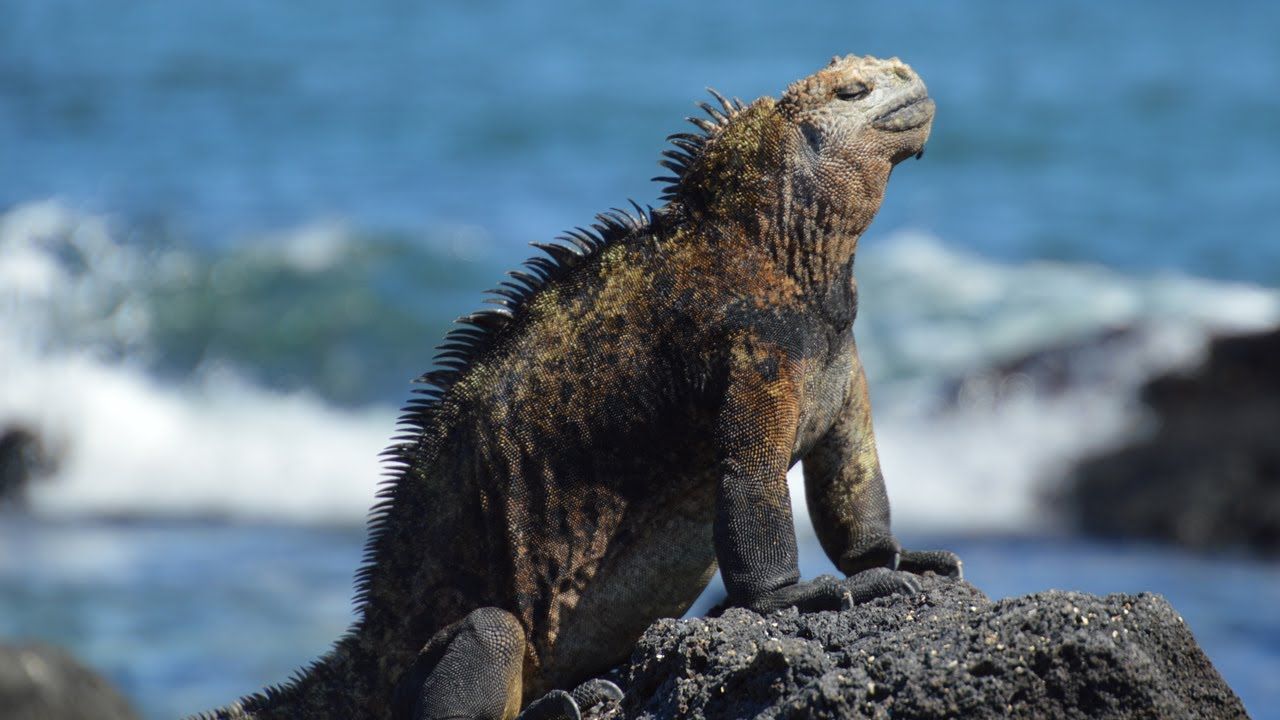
{"type": "Point", "coordinates": [911, 113]}
{"type": "Point", "coordinates": [865, 106]}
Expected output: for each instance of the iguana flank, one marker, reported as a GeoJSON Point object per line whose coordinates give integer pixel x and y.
{"type": "Point", "coordinates": [623, 419]}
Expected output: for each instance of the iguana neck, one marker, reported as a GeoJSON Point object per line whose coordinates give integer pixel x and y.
{"type": "Point", "coordinates": [761, 185]}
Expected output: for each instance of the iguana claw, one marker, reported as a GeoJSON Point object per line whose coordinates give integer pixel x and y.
{"type": "Point", "coordinates": [555, 705]}
{"type": "Point", "coordinates": [879, 582]}
{"type": "Point", "coordinates": [560, 705]}
{"type": "Point", "coordinates": [593, 692]}
{"type": "Point", "coordinates": [941, 562]}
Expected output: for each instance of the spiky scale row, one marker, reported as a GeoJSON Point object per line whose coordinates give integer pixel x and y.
{"type": "Point", "coordinates": [689, 146]}
{"type": "Point", "coordinates": [715, 114]}
{"type": "Point", "coordinates": [474, 333]}
{"type": "Point", "coordinates": [561, 254]}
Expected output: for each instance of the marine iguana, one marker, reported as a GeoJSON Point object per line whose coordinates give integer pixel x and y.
{"type": "Point", "coordinates": [623, 419]}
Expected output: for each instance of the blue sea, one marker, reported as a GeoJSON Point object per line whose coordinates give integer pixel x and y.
{"type": "Point", "coordinates": [230, 233]}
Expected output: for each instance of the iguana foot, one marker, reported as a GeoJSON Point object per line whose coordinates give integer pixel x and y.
{"type": "Point", "coordinates": [827, 592]}
{"type": "Point", "coordinates": [468, 670]}
{"type": "Point", "coordinates": [824, 592]}
{"type": "Point", "coordinates": [560, 705]}
{"type": "Point", "coordinates": [941, 562]}
{"type": "Point", "coordinates": [878, 582]}
{"type": "Point", "coordinates": [881, 550]}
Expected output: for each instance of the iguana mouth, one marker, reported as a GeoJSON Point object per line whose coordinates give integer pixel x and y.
{"type": "Point", "coordinates": [907, 115]}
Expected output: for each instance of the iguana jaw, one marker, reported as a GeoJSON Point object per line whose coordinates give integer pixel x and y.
{"type": "Point", "coordinates": [912, 115]}
{"type": "Point", "coordinates": [909, 115]}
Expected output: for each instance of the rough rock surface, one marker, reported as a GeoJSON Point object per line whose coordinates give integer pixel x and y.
{"type": "Point", "coordinates": [948, 652]}
{"type": "Point", "coordinates": [42, 682]}
{"type": "Point", "coordinates": [1209, 474]}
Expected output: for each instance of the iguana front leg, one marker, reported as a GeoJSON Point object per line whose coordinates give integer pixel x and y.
{"type": "Point", "coordinates": [754, 533]}
{"type": "Point", "coordinates": [845, 492]}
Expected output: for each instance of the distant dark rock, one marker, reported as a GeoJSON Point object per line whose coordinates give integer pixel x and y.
{"type": "Point", "coordinates": [1208, 476]}
{"type": "Point", "coordinates": [23, 457]}
{"type": "Point", "coordinates": [1105, 358]}
{"type": "Point", "coordinates": [948, 652]}
{"type": "Point", "coordinates": [42, 682]}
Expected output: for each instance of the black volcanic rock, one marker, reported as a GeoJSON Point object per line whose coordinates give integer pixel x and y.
{"type": "Point", "coordinates": [1209, 474]}
{"type": "Point", "coordinates": [948, 652]}
{"type": "Point", "coordinates": [1106, 358]}
{"type": "Point", "coordinates": [23, 457]}
{"type": "Point", "coordinates": [42, 682]}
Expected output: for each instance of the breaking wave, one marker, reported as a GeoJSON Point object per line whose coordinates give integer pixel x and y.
{"type": "Point", "coordinates": [261, 382]}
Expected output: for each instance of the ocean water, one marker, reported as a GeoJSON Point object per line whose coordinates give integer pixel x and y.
{"type": "Point", "coordinates": [231, 233]}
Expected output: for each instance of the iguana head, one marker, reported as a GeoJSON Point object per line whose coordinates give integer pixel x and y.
{"type": "Point", "coordinates": [859, 112]}
{"type": "Point", "coordinates": [824, 149]}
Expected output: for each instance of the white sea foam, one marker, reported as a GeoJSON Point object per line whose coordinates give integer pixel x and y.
{"type": "Point", "coordinates": [990, 459]}
{"type": "Point", "coordinates": [219, 444]}
{"type": "Point", "coordinates": [131, 444]}
{"type": "Point", "coordinates": [927, 309]}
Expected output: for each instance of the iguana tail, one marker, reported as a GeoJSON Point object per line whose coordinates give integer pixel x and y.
{"type": "Point", "coordinates": [344, 683]}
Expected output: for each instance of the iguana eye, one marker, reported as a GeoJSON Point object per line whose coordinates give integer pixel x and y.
{"type": "Point", "coordinates": [856, 91]}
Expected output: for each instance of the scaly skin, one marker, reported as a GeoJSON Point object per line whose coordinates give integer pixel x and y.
{"type": "Point", "coordinates": [625, 420]}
